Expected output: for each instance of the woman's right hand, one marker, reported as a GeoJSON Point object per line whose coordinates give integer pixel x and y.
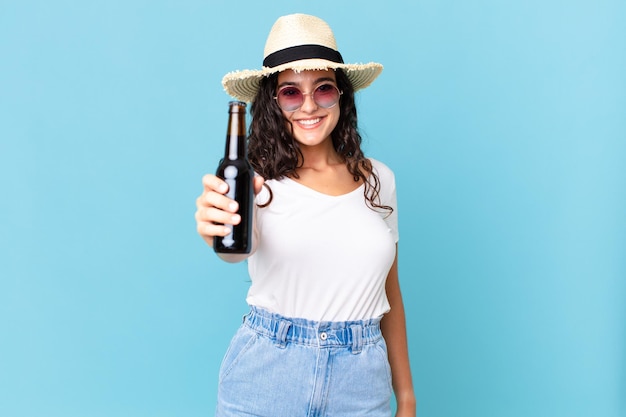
{"type": "Point", "coordinates": [213, 207]}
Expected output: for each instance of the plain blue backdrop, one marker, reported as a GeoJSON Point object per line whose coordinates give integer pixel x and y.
{"type": "Point", "coordinates": [505, 122]}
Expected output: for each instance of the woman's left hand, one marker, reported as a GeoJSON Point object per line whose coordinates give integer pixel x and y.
{"type": "Point", "coordinates": [406, 407]}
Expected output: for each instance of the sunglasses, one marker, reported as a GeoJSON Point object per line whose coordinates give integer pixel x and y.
{"type": "Point", "coordinates": [290, 98]}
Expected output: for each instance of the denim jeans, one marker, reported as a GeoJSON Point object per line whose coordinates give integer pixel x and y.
{"type": "Point", "coordinates": [281, 367]}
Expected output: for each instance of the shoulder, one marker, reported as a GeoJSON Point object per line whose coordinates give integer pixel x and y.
{"type": "Point", "coordinates": [384, 173]}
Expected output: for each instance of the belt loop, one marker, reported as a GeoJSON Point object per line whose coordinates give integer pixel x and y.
{"type": "Point", "coordinates": [281, 333]}
{"type": "Point", "coordinates": [357, 338]}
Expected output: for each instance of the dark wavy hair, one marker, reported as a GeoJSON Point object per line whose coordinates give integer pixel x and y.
{"type": "Point", "coordinates": [274, 153]}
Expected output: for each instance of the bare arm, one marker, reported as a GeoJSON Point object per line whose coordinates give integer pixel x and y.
{"type": "Point", "coordinates": [393, 327]}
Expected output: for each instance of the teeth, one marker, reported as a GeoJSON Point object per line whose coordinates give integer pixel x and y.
{"type": "Point", "coordinates": [309, 121]}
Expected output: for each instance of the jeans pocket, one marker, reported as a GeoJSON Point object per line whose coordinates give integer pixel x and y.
{"type": "Point", "coordinates": [240, 344]}
{"type": "Point", "coordinates": [381, 347]}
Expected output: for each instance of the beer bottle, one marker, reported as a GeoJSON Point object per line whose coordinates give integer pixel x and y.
{"type": "Point", "coordinates": [236, 171]}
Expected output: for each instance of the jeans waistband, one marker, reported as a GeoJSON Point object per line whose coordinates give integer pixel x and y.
{"type": "Point", "coordinates": [283, 330]}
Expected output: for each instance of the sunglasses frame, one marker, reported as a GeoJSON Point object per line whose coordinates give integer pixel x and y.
{"type": "Point", "coordinates": [312, 94]}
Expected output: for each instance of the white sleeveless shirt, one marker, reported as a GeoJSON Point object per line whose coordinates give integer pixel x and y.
{"type": "Point", "coordinates": [322, 257]}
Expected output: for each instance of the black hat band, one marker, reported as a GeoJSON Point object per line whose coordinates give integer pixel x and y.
{"type": "Point", "coordinates": [296, 53]}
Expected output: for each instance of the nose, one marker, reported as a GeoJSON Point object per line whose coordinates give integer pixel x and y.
{"type": "Point", "coordinates": [309, 105]}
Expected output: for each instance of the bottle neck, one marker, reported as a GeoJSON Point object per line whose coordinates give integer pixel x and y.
{"type": "Point", "coordinates": [236, 136]}
{"type": "Point", "coordinates": [235, 147]}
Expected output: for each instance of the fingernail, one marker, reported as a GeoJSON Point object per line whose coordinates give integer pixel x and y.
{"type": "Point", "coordinates": [232, 206]}
{"type": "Point", "coordinates": [236, 218]}
{"type": "Point", "coordinates": [223, 188]}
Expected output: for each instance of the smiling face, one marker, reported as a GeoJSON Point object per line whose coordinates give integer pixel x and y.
{"type": "Point", "coordinates": [312, 124]}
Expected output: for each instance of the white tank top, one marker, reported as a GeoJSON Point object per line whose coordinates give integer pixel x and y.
{"type": "Point", "coordinates": [322, 257]}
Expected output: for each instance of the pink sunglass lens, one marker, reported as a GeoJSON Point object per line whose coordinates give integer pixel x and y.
{"type": "Point", "coordinates": [326, 95]}
{"type": "Point", "coordinates": [290, 98]}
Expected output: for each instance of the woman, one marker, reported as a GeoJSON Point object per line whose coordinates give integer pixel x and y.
{"type": "Point", "coordinates": [326, 333]}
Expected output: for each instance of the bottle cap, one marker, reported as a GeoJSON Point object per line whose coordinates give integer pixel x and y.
{"type": "Point", "coordinates": [235, 106]}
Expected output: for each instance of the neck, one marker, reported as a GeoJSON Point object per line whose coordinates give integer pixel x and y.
{"type": "Point", "coordinates": [320, 156]}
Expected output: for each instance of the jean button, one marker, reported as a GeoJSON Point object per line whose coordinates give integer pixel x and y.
{"type": "Point", "coordinates": [323, 336]}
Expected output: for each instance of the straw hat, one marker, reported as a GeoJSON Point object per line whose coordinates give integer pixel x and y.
{"type": "Point", "coordinates": [299, 42]}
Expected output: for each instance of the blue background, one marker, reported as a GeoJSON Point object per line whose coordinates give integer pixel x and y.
{"type": "Point", "coordinates": [503, 120]}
